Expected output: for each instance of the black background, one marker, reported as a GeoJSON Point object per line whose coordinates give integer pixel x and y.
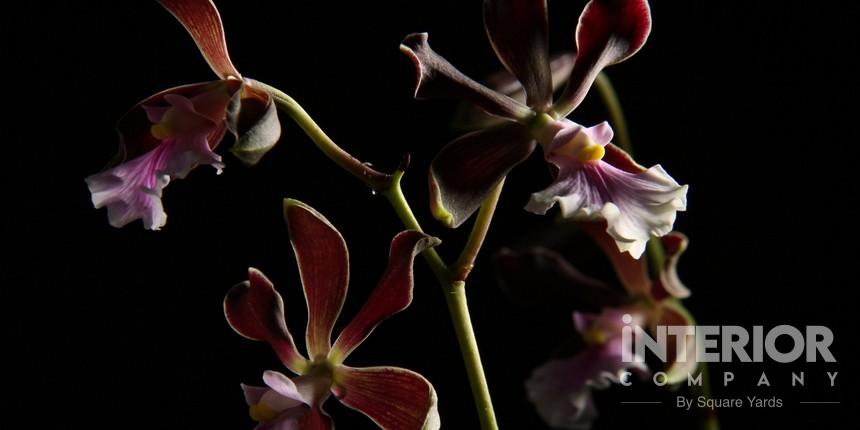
{"type": "Point", "coordinates": [751, 103]}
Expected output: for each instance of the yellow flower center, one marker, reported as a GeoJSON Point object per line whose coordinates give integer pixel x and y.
{"type": "Point", "coordinates": [262, 413]}
{"type": "Point", "coordinates": [582, 148]}
{"type": "Point", "coordinates": [594, 336]}
{"type": "Point", "coordinates": [161, 130]}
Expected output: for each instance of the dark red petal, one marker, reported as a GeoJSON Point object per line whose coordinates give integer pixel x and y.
{"type": "Point", "coordinates": [469, 117]}
{"type": "Point", "coordinates": [134, 128]}
{"type": "Point", "coordinates": [392, 397]}
{"type": "Point", "coordinates": [256, 124]}
{"type": "Point", "coordinates": [633, 273]}
{"type": "Point", "coordinates": [438, 78]}
{"type": "Point", "coordinates": [609, 32]}
{"type": "Point", "coordinates": [620, 159]}
{"type": "Point", "coordinates": [201, 19]}
{"type": "Point", "coordinates": [669, 283]}
{"type": "Point", "coordinates": [392, 295]}
{"type": "Point", "coordinates": [255, 310]}
{"type": "Point", "coordinates": [541, 277]}
{"type": "Point", "coordinates": [324, 267]}
{"type": "Point", "coordinates": [316, 419]}
{"type": "Point", "coordinates": [518, 32]}
{"type": "Point", "coordinates": [467, 169]}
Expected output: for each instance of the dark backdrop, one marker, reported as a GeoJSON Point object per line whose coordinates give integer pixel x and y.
{"type": "Point", "coordinates": [751, 103]}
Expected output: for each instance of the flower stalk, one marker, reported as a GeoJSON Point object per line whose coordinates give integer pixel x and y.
{"type": "Point", "coordinates": [450, 279]}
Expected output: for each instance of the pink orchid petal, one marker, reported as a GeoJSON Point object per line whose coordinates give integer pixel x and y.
{"type": "Point", "coordinates": [132, 190]}
{"type": "Point", "coordinates": [609, 31]}
{"type": "Point", "coordinates": [392, 295]}
{"type": "Point", "coordinates": [466, 170]}
{"type": "Point", "coordinates": [285, 388]}
{"type": "Point", "coordinates": [561, 388]}
{"type": "Point", "coordinates": [253, 394]}
{"type": "Point", "coordinates": [255, 310]}
{"type": "Point", "coordinates": [674, 244]}
{"type": "Point", "coordinates": [635, 206]}
{"type": "Point", "coordinates": [324, 267]}
{"type": "Point", "coordinates": [392, 397]}
{"type": "Point", "coordinates": [632, 272]}
{"type": "Point", "coordinates": [436, 77]}
{"type": "Point", "coordinates": [201, 19]}
{"type": "Point", "coordinates": [209, 99]}
{"type": "Point", "coordinates": [518, 33]}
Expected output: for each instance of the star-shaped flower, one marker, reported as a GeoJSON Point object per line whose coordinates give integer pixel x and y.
{"type": "Point", "coordinates": [392, 397]}
{"type": "Point", "coordinates": [593, 178]}
{"type": "Point", "coordinates": [170, 133]}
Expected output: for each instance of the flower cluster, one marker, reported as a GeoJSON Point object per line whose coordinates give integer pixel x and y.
{"type": "Point", "coordinates": [594, 179]}
{"type": "Point", "coordinates": [618, 202]}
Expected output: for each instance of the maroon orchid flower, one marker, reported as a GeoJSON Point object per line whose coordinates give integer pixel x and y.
{"type": "Point", "coordinates": [561, 388]}
{"type": "Point", "coordinates": [594, 180]}
{"type": "Point", "coordinates": [168, 134]}
{"type": "Point", "coordinates": [392, 397]}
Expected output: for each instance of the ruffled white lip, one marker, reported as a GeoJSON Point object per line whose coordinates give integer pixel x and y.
{"type": "Point", "coordinates": [635, 206]}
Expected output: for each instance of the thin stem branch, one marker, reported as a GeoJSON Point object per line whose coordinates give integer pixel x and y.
{"type": "Point", "coordinates": [616, 114]}
{"type": "Point", "coordinates": [464, 264]}
{"type": "Point", "coordinates": [398, 202]}
{"type": "Point", "coordinates": [389, 186]}
{"type": "Point", "coordinates": [376, 180]}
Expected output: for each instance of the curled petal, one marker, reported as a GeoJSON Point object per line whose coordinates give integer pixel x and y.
{"type": "Point", "coordinates": [635, 206]}
{"type": "Point", "coordinates": [518, 32]}
{"type": "Point", "coordinates": [255, 310]}
{"type": "Point", "coordinates": [541, 277]}
{"type": "Point", "coordinates": [392, 397]}
{"type": "Point", "coordinates": [256, 124]}
{"type": "Point", "coordinates": [466, 170]}
{"type": "Point", "coordinates": [674, 245]}
{"type": "Point", "coordinates": [609, 31]}
{"type": "Point", "coordinates": [201, 19]}
{"type": "Point", "coordinates": [392, 294]}
{"type": "Point", "coordinates": [436, 77]}
{"type": "Point", "coordinates": [324, 268]}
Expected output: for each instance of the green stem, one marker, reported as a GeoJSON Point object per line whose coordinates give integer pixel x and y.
{"type": "Point", "coordinates": [464, 264]}
{"type": "Point", "coordinates": [389, 186]}
{"type": "Point", "coordinates": [376, 180]}
{"type": "Point", "coordinates": [616, 114]}
{"type": "Point", "coordinates": [455, 295]}
{"type": "Point", "coordinates": [398, 202]}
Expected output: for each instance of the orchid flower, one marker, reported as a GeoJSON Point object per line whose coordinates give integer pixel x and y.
{"type": "Point", "coordinates": [561, 388]}
{"type": "Point", "coordinates": [392, 397]}
{"type": "Point", "coordinates": [170, 133]}
{"type": "Point", "coordinates": [594, 180]}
